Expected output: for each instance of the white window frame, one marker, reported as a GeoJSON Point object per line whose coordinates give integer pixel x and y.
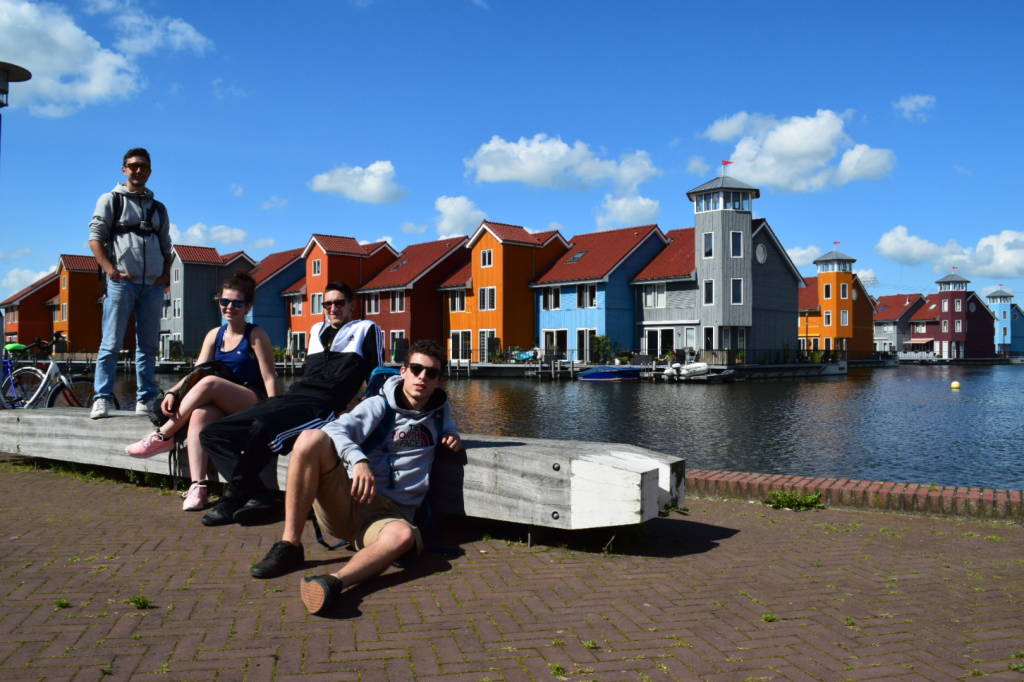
{"type": "Point", "coordinates": [457, 301]}
{"type": "Point", "coordinates": [464, 353]}
{"type": "Point", "coordinates": [704, 289]}
{"type": "Point", "coordinates": [844, 318]}
{"type": "Point", "coordinates": [732, 244]}
{"type": "Point", "coordinates": [176, 308]}
{"type": "Point", "coordinates": [586, 295]}
{"type": "Point", "coordinates": [301, 345]}
{"type": "Point", "coordinates": [482, 335]}
{"type": "Point", "coordinates": [655, 296]}
{"type": "Point", "coordinates": [316, 304]}
{"type": "Point", "coordinates": [708, 239]}
{"type": "Point", "coordinates": [844, 290]}
{"type": "Point", "coordinates": [732, 291]}
{"type": "Point", "coordinates": [395, 334]}
{"type": "Point", "coordinates": [296, 306]}
{"type": "Point", "coordinates": [958, 326]}
{"type": "Point", "coordinates": [828, 318]}
{"type": "Point", "coordinates": [945, 305]}
{"type": "Point", "coordinates": [55, 314]}
{"type": "Point", "coordinates": [945, 326]}
{"type": "Point", "coordinates": [827, 292]}
{"type": "Point", "coordinates": [398, 301]}
{"type": "Point", "coordinates": [487, 298]}
{"type": "Point", "coordinates": [958, 305]}
{"type": "Point", "coordinates": [372, 305]}
{"type": "Point", "coordinates": [64, 312]}
{"type": "Point", "coordinates": [689, 337]}
{"type": "Point", "coordinates": [583, 351]}
{"type": "Point", "coordinates": [64, 281]}
{"type": "Point", "coordinates": [177, 274]}
{"type": "Point", "coordinates": [487, 258]}
{"type": "Point", "coordinates": [551, 298]}
{"type": "Point", "coordinates": [316, 267]}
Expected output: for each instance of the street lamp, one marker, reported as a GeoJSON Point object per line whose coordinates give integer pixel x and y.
{"type": "Point", "coordinates": [10, 73]}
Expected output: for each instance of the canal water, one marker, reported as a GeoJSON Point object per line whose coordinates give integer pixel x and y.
{"type": "Point", "coordinates": [892, 424]}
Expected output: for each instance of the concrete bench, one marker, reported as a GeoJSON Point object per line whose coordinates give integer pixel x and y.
{"type": "Point", "coordinates": [547, 483]}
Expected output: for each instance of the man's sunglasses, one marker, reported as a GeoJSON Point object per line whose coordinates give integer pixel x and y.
{"type": "Point", "coordinates": [429, 372]}
{"type": "Point", "coordinates": [339, 303]}
{"type": "Point", "coordinates": [226, 302]}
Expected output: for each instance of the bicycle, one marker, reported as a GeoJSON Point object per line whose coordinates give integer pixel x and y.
{"type": "Point", "coordinates": [29, 387]}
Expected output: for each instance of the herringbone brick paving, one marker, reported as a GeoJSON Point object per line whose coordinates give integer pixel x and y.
{"type": "Point", "coordinates": [728, 591]}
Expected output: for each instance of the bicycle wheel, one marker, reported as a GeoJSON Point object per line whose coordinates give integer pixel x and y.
{"type": "Point", "coordinates": [21, 385]}
{"type": "Point", "coordinates": [80, 394]}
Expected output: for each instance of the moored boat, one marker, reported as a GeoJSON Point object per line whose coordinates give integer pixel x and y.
{"type": "Point", "coordinates": [610, 373]}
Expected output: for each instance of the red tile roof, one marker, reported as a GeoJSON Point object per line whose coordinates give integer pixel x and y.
{"type": "Point", "coordinates": [298, 287]}
{"type": "Point", "coordinates": [413, 262]}
{"type": "Point", "coordinates": [370, 249]}
{"type": "Point", "coordinates": [808, 295]}
{"type": "Point", "coordinates": [513, 234]}
{"type": "Point", "coordinates": [228, 257]}
{"type": "Point", "coordinates": [894, 307]}
{"type": "Point", "coordinates": [274, 263]}
{"type": "Point", "coordinates": [74, 263]}
{"type": "Point", "coordinates": [929, 311]}
{"type": "Point", "coordinates": [30, 289]}
{"type": "Point", "coordinates": [595, 255]}
{"type": "Point", "coordinates": [674, 261]}
{"type": "Point", "coordinates": [335, 244]}
{"type": "Point", "coordinates": [204, 255]}
{"type": "Point", "coordinates": [460, 280]}
{"type": "Point", "coordinates": [53, 300]}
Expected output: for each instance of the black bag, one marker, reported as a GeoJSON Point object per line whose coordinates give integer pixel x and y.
{"type": "Point", "coordinates": [212, 368]}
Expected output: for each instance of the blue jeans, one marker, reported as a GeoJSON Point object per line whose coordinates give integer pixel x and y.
{"type": "Point", "coordinates": [124, 298]}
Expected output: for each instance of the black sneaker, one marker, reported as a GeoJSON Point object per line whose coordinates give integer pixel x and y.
{"type": "Point", "coordinates": [283, 557]}
{"type": "Point", "coordinates": [223, 512]}
{"type": "Point", "coordinates": [263, 508]}
{"type": "Point", "coordinates": [320, 593]}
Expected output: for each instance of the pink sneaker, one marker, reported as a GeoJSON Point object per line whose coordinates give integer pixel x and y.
{"type": "Point", "coordinates": [195, 498]}
{"type": "Point", "coordinates": [153, 444]}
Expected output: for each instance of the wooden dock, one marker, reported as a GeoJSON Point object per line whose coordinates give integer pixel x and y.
{"type": "Point", "coordinates": [548, 483]}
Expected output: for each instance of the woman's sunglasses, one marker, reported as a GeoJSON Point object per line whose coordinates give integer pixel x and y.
{"type": "Point", "coordinates": [429, 372]}
{"type": "Point", "coordinates": [225, 302]}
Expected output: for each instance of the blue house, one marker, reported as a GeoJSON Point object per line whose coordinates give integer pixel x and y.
{"type": "Point", "coordinates": [1009, 322]}
{"type": "Point", "coordinates": [273, 275]}
{"type": "Point", "coordinates": [587, 292]}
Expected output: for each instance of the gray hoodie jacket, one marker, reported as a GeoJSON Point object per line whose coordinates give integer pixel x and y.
{"type": "Point", "coordinates": [401, 460]}
{"type": "Point", "coordinates": [141, 257]}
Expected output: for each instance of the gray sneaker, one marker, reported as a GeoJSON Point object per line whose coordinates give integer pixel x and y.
{"type": "Point", "coordinates": [142, 407]}
{"type": "Point", "coordinates": [100, 408]}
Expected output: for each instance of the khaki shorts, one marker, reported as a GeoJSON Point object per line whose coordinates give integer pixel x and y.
{"type": "Point", "coordinates": [341, 516]}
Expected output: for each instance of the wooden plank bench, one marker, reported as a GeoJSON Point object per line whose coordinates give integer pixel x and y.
{"type": "Point", "coordinates": [548, 483]}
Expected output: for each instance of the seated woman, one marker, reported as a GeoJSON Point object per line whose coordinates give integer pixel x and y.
{"type": "Point", "coordinates": [246, 350]}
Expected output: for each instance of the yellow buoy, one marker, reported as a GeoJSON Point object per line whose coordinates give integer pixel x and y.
{"type": "Point", "coordinates": [955, 385]}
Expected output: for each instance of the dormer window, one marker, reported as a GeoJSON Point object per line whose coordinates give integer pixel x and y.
{"type": "Point", "coordinates": [715, 201]}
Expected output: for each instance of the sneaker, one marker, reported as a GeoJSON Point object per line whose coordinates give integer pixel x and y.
{"type": "Point", "coordinates": [196, 497]}
{"type": "Point", "coordinates": [143, 407]}
{"type": "Point", "coordinates": [320, 592]}
{"type": "Point", "coordinates": [153, 444]}
{"type": "Point", "coordinates": [223, 512]}
{"type": "Point", "coordinates": [100, 408]}
{"type": "Point", "coordinates": [283, 557]}
{"type": "Point", "coordinates": [263, 508]}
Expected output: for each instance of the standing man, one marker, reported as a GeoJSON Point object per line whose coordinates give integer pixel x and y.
{"type": "Point", "coordinates": [342, 353]}
{"type": "Point", "coordinates": [364, 476]}
{"type": "Point", "coordinates": [130, 236]}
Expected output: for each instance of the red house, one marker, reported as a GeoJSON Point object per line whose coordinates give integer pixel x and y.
{"type": "Point", "coordinates": [404, 298]}
{"type": "Point", "coordinates": [26, 315]}
{"type": "Point", "coordinates": [954, 323]}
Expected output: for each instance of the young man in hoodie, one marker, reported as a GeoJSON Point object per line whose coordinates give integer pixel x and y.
{"type": "Point", "coordinates": [364, 476]}
{"type": "Point", "coordinates": [130, 236]}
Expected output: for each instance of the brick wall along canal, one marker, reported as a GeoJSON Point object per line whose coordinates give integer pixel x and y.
{"type": "Point", "coordinates": [902, 424]}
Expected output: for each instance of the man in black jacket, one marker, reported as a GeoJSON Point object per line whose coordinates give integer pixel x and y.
{"type": "Point", "coordinates": [342, 353]}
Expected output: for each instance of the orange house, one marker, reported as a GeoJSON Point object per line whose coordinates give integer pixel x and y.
{"type": "Point", "coordinates": [489, 302]}
{"type": "Point", "coordinates": [25, 313]}
{"type": "Point", "coordinates": [79, 311]}
{"type": "Point", "coordinates": [330, 258]}
{"type": "Point", "coordinates": [835, 310]}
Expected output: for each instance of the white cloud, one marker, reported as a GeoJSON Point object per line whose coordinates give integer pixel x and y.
{"type": "Point", "coordinates": [237, 190]}
{"type": "Point", "coordinates": [202, 235]}
{"type": "Point", "coordinates": [412, 228]}
{"type": "Point", "coordinates": [374, 184]}
{"type": "Point", "coordinates": [544, 161]}
{"type": "Point", "coordinates": [224, 90]}
{"type": "Point", "coordinates": [627, 211]}
{"type": "Point", "coordinates": [264, 243]}
{"type": "Point", "coordinates": [274, 202]}
{"type": "Point", "coordinates": [14, 254]}
{"type": "Point", "coordinates": [697, 166]}
{"type": "Point", "coordinates": [17, 279]}
{"type": "Point", "coordinates": [803, 255]}
{"type": "Point", "coordinates": [915, 107]}
{"type": "Point", "coordinates": [141, 33]}
{"type": "Point", "coordinates": [555, 225]}
{"type": "Point", "coordinates": [867, 277]}
{"type": "Point", "coordinates": [227, 235]}
{"type": "Point", "coordinates": [458, 215]}
{"type": "Point", "coordinates": [797, 154]}
{"type": "Point", "coordinates": [999, 255]}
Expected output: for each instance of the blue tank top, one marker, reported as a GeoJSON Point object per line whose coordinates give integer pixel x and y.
{"type": "Point", "coordinates": [241, 360]}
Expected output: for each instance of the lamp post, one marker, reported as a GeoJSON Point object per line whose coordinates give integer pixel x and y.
{"type": "Point", "coordinates": [10, 73]}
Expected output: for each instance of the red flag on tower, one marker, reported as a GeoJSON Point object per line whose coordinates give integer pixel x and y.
{"type": "Point", "coordinates": [726, 163]}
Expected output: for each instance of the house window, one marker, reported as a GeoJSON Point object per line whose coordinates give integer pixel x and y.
{"type": "Point", "coordinates": [488, 298]}
{"type": "Point", "coordinates": [165, 309]}
{"type": "Point", "coordinates": [844, 318]}
{"type": "Point", "coordinates": [64, 312]}
{"type": "Point", "coordinates": [373, 304]}
{"type": "Point", "coordinates": [945, 305]}
{"type": "Point", "coordinates": [63, 281]}
{"type": "Point", "coordinates": [459, 344]}
{"type": "Point", "coordinates": [828, 318]}
{"type": "Point", "coordinates": [736, 244]}
{"type": "Point", "coordinates": [398, 301]}
{"type": "Point", "coordinates": [958, 325]}
{"type": "Point", "coordinates": [958, 305]}
{"type": "Point", "coordinates": [737, 291]}
{"type": "Point", "coordinates": [488, 345]}
{"type": "Point", "coordinates": [177, 274]}
{"type": "Point", "coordinates": [690, 337]}
{"type": "Point", "coordinates": [654, 295]}
{"type": "Point", "coordinates": [296, 305]}
{"type": "Point", "coordinates": [709, 292]}
{"type": "Point", "coordinates": [487, 258]}
{"type": "Point", "coordinates": [585, 345]}
{"type": "Point", "coordinates": [586, 295]}
{"type": "Point", "coordinates": [298, 342]}
{"type": "Point", "coordinates": [457, 301]}
{"type": "Point", "coordinates": [176, 308]}
{"type": "Point", "coordinates": [920, 328]}
{"type": "Point", "coordinates": [945, 325]}
{"type": "Point", "coordinates": [316, 267]}
{"type": "Point", "coordinates": [54, 315]}
{"type": "Point", "coordinates": [709, 245]}
{"type": "Point", "coordinates": [552, 298]}
{"type": "Point", "coordinates": [844, 291]}
{"type": "Point", "coordinates": [828, 291]}
{"type": "Point", "coordinates": [1004, 314]}
{"type": "Point", "coordinates": [316, 304]}
{"type": "Point", "coordinates": [397, 337]}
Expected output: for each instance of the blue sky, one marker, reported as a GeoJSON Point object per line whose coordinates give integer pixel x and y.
{"type": "Point", "coordinates": [892, 128]}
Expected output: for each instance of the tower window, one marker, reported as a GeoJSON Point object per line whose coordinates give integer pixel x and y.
{"type": "Point", "coordinates": [709, 245]}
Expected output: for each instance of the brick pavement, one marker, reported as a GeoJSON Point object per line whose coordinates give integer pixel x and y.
{"type": "Point", "coordinates": [729, 591]}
